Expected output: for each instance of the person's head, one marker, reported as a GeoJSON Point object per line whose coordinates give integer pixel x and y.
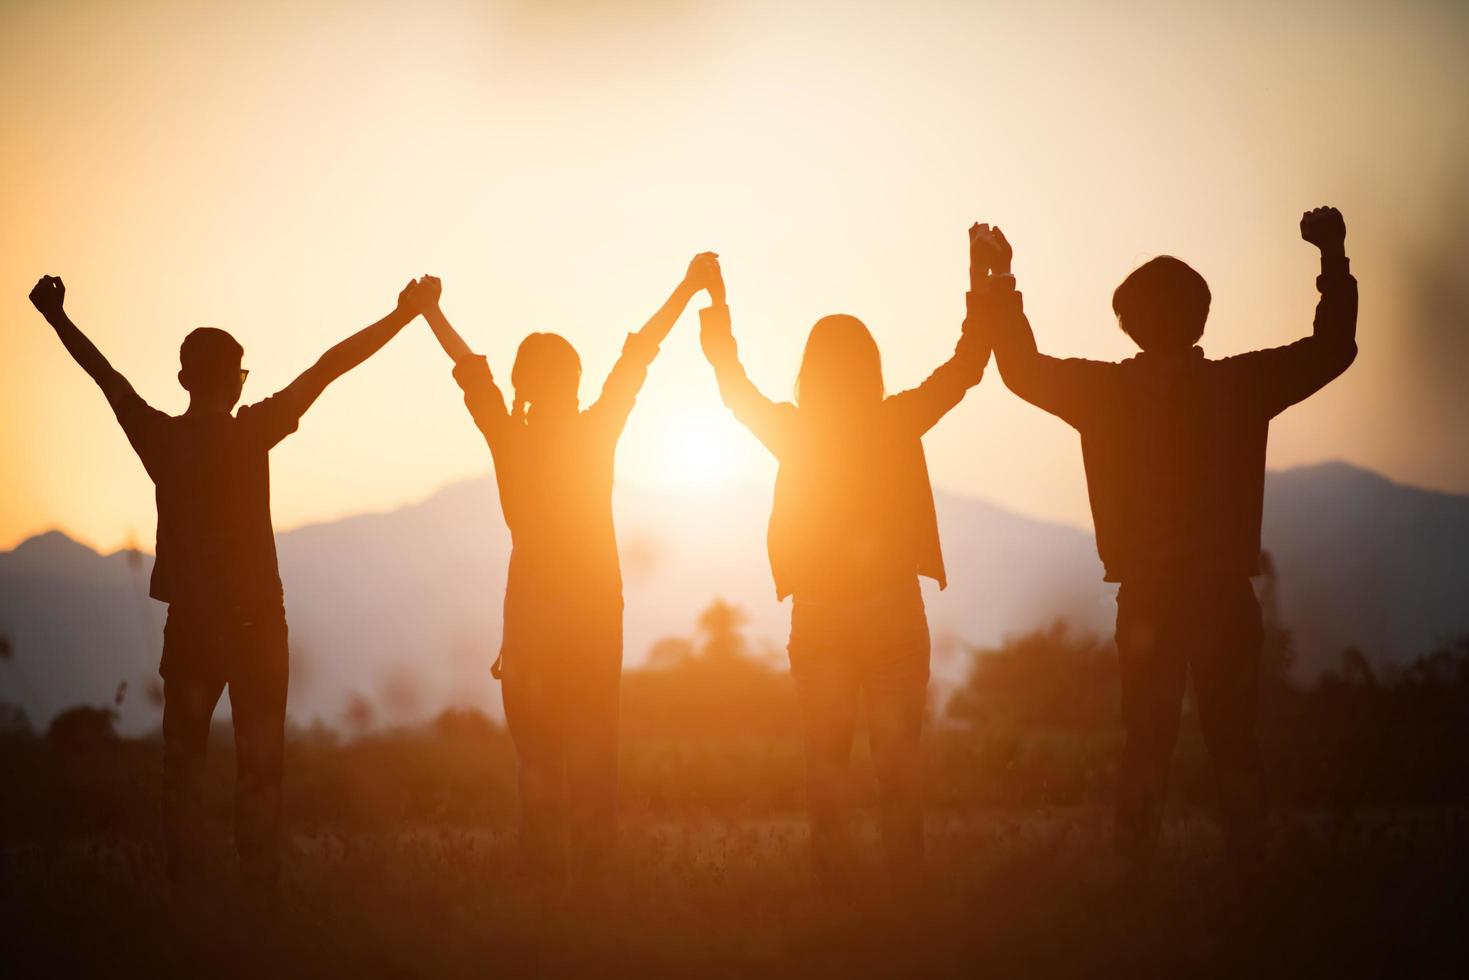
{"type": "Point", "coordinates": [210, 368]}
{"type": "Point", "coordinates": [547, 374]}
{"type": "Point", "coordinates": [841, 367]}
{"type": "Point", "coordinates": [1162, 305]}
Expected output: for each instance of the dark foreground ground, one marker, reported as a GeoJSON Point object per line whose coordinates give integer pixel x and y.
{"type": "Point", "coordinates": [1012, 894]}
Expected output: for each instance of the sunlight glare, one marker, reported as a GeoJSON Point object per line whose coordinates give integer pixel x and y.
{"type": "Point", "coordinates": [700, 450]}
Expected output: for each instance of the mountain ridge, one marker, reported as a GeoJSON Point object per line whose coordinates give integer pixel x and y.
{"type": "Point", "coordinates": [402, 606]}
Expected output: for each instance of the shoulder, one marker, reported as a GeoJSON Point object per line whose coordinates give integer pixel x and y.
{"type": "Point", "coordinates": [472, 373]}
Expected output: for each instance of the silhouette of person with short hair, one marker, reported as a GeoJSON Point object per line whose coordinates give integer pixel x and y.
{"type": "Point", "coordinates": [1174, 449]}
{"type": "Point", "coordinates": [851, 530]}
{"type": "Point", "coordinates": [560, 660]}
{"type": "Point", "coordinates": [215, 567]}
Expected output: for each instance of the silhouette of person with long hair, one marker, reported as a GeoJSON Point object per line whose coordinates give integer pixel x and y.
{"type": "Point", "coordinates": [215, 566]}
{"type": "Point", "coordinates": [560, 660]}
{"type": "Point", "coordinates": [851, 530]}
{"type": "Point", "coordinates": [1174, 449]}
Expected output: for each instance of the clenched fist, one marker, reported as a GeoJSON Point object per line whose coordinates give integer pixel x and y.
{"type": "Point", "coordinates": [1325, 228]}
{"type": "Point", "coordinates": [48, 295]}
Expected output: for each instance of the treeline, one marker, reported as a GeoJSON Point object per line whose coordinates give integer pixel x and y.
{"type": "Point", "coordinates": [712, 727]}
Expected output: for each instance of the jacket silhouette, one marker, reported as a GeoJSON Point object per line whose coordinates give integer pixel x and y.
{"type": "Point", "coordinates": [851, 530]}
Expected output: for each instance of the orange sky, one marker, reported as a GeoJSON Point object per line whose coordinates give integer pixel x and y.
{"type": "Point", "coordinates": [281, 169]}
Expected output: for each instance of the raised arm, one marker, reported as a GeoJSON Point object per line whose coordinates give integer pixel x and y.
{"type": "Point", "coordinates": [483, 398]}
{"type": "Point", "coordinates": [695, 278]}
{"type": "Point", "coordinates": [431, 288]}
{"type": "Point", "coordinates": [923, 406]}
{"type": "Point", "coordinates": [767, 419]}
{"type": "Point", "coordinates": [351, 352]}
{"type": "Point", "coordinates": [49, 297]}
{"type": "Point", "coordinates": [1067, 388]}
{"type": "Point", "coordinates": [1280, 377]}
{"type": "Point", "coordinates": [626, 378]}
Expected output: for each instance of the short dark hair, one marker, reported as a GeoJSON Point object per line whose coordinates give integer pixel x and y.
{"type": "Point", "coordinates": [1162, 304]}
{"type": "Point", "coordinates": [208, 349]}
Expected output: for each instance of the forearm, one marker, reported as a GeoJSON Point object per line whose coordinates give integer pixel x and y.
{"type": "Point", "coordinates": [447, 336]}
{"type": "Point", "coordinates": [344, 357]}
{"type": "Point", "coordinates": [1336, 312]}
{"type": "Point", "coordinates": [360, 346]}
{"type": "Point", "coordinates": [658, 326]}
{"type": "Point", "coordinates": [997, 312]}
{"type": "Point", "coordinates": [81, 348]}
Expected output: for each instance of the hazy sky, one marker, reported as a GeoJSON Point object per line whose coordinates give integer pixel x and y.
{"type": "Point", "coordinates": [281, 169]}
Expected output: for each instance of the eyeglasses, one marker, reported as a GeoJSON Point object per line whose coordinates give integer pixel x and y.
{"type": "Point", "coordinates": [244, 373]}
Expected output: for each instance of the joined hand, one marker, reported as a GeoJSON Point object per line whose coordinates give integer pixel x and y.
{"type": "Point", "coordinates": [989, 252]}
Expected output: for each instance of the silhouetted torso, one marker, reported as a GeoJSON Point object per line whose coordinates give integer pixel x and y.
{"type": "Point", "coordinates": [1175, 464]}
{"type": "Point", "coordinates": [555, 482]}
{"type": "Point", "coordinates": [211, 473]}
{"type": "Point", "coordinates": [853, 511]}
{"type": "Point", "coordinates": [1174, 443]}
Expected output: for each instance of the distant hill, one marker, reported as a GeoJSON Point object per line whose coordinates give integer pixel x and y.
{"type": "Point", "coordinates": [403, 608]}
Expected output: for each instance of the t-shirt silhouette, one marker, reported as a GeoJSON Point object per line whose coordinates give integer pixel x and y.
{"type": "Point", "coordinates": [211, 475]}
{"type": "Point", "coordinates": [1174, 443]}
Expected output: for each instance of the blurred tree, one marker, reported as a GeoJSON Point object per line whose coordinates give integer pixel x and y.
{"type": "Point", "coordinates": [1048, 678]}
{"type": "Point", "coordinates": [14, 722]}
{"type": "Point", "coordinates": [721, 626]}
{"type": "Point", "coordinates": [708, 687]}
{"type": "Point", "coordinates": [359, 714]}
{"type": "Point", "coordinates": [83, 728]}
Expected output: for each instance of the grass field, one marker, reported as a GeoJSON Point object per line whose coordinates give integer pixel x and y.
{"type": "Point", "coordinates": [403, 858]}
{"type": "Point", "coordinates": [1011, 893]}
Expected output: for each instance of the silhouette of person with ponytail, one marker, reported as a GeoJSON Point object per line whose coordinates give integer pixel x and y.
{"type": "Point", "coordinates": [851, 530]}
{"type": "Point", "coordinates": [560, 660]}
{"type": "Point", "coordinates": [1174, 449]}
{"type": "Point", "coordinates": [216, 568]}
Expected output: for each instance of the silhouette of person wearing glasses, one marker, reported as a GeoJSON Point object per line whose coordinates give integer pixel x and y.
{"type": "Point", "coordinates": [215, 566]}
{"type": "Point", "coordinates": [560, 659]}
{"type": "Point", "coordinates": [1174, 449]}
{"type": "Point", "coordinates": [851, 530]}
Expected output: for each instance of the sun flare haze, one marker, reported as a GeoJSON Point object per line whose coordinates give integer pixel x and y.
{"type": "Point", "coordinates": [281, 170]}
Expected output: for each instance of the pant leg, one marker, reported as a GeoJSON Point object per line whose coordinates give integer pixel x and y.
{"type": "Point", "coordinates": [1225, 662]}
{"type": "Point", "coordinates": [259, 679]}
{"type": "Point", "coordinates": [895, 671]}
{"type": "Point", "coordinates": [593, 717]}
{"type": "Point", "coordinates": [192, 683]}
{"type": "Point", "coordinates": [533, 717]}
{"type": "Point", "coordinates": [828, 689]}
{"type": "Point", "coordinates": [1154, 673]}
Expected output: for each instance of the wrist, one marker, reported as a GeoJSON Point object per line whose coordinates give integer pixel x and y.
{"type": "Point", "coordinates": [1333, 250]}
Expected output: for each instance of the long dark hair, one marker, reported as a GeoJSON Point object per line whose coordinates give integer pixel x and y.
{"type": "Point", "coordinates": [841, 367]}
{"type": "Point", "coordinates": [547, 372]}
